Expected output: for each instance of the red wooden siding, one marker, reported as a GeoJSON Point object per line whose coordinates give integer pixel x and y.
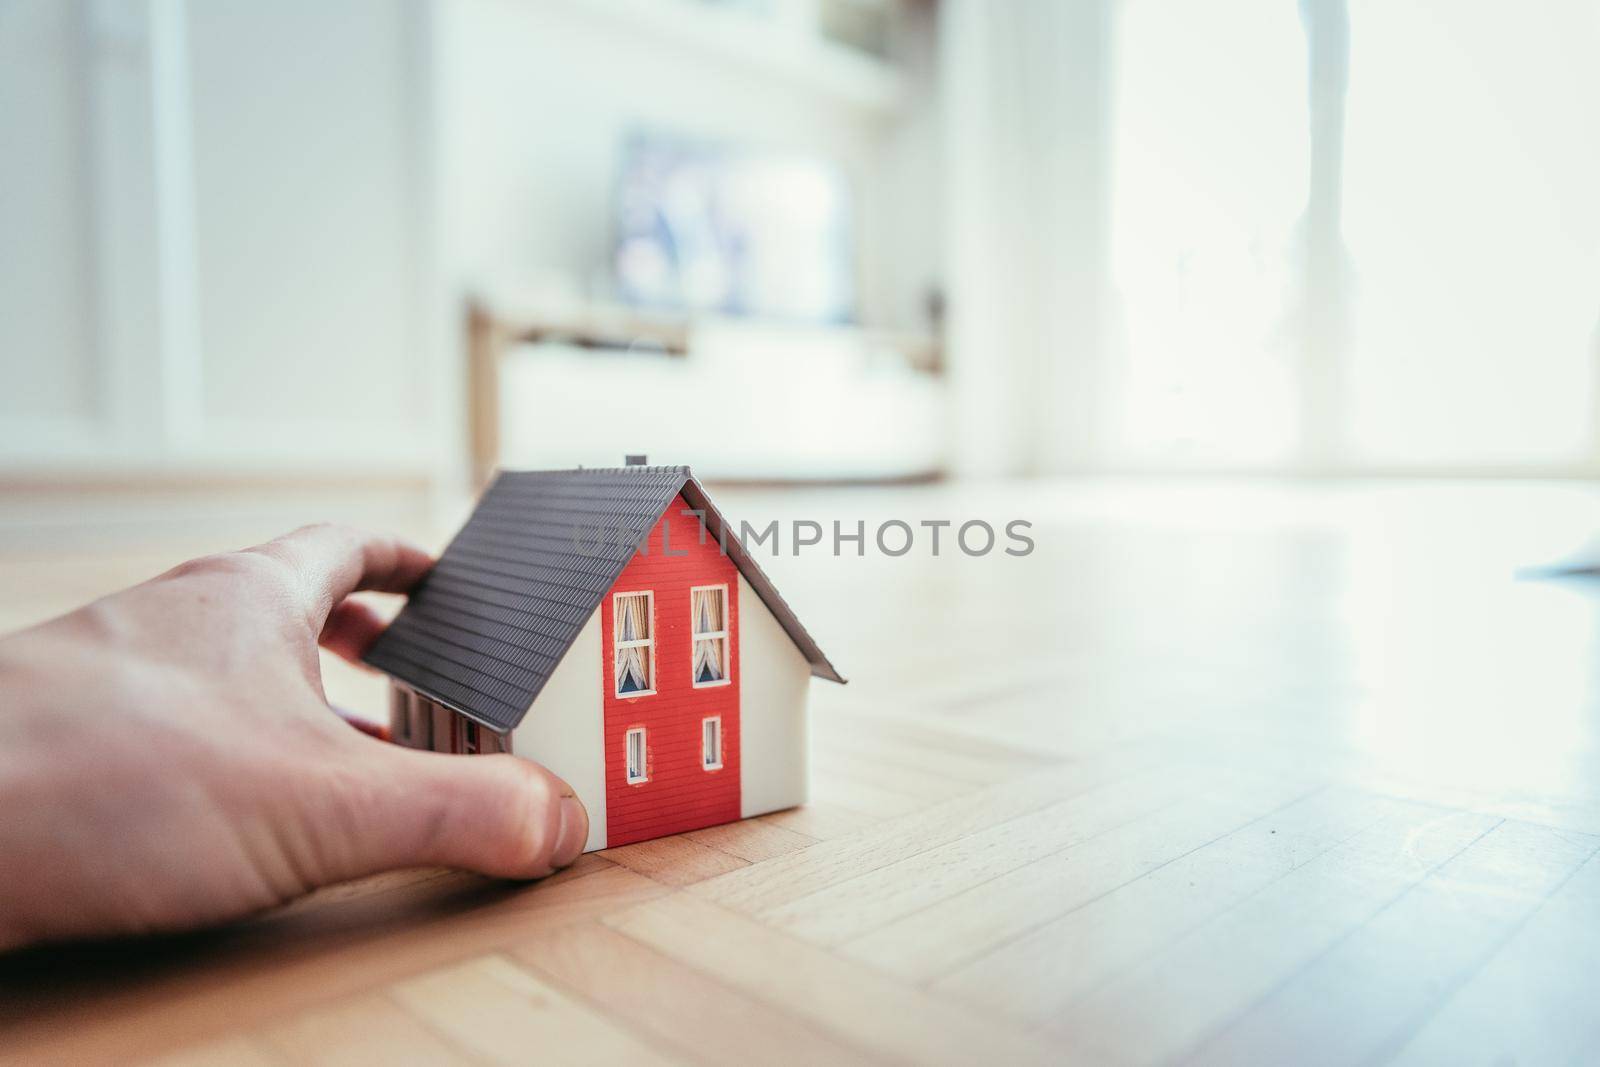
{"type": "Point", "coordinates": [680, 794]}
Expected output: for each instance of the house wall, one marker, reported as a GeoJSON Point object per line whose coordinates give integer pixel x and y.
{"type": "Point", "coordinates": [412, 717]}
{"type": "Point", "coordinates": [417, 722]}
{"type": "Point", "coordinates": [680, 793]}
{"type": "Point", "coordinates": [563, 729]}
{"type": "Point", "coordinates": [776, 681]}
{"type": "Point", "coordinates": [563, 734]}
{"type": "Point", "coordinates": [578, 731]}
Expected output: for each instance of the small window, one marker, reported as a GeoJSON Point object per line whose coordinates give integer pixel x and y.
{"type": "Point", "coordinates": [711, 742]}
{"type": "Point", "coordinates": [471, 745]}
{"type": "Point", "coordinates": [708, 609]}
{"type": "Point", "coordinates": [633, 632]}
{"type": "Point", "coordinates": [636, 767]}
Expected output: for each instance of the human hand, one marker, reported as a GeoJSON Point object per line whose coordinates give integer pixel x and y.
{"type": "Point", "coordinates": [168, 758]}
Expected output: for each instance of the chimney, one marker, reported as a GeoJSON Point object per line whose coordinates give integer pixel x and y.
{"type": "Point", "coordinates": [635, 459]}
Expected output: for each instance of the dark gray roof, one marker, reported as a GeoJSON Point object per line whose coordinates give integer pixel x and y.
{"type": "Point", "coordinates": [485, 630]}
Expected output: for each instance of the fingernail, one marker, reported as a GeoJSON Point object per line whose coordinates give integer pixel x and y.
{"type": "Point", "coordinates": [574, 832]}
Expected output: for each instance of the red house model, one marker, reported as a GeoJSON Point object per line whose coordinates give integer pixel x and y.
{"type": "Point", "coordinates": [609, 624]}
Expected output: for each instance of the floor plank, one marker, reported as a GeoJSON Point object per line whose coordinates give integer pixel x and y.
{"type": "Point", "coordinates": [1244, 774]}
{"type": "Point", "coordinates": [860, 1007]}
{"type": "Point", "coordinates": [1087, 945]}
{"type": "Point", "coordinates": [362, 1030]}
{"type": "Point", "coordinates": [873, 899]}
{"type": "Point", "coordinates": [984, 918]}
{"type": "Point", "coordinates": [1220, 971]}
{"type": "Point", "coordinates": [700, 1018]}
{"type": "Point", "coordinates": [763, 887]}
{"type": "Point", "coordinates": [496, 1012]}
{"type": "Point", "coordinates": [753, 840]}
{"type": "Point", "coordinates": [675, 861]}
{"type": "Point", "coordinates": [1359, 999]}
{"type": "Point", "coordinates": [238, 1051]}
{"type": "Point", "coordinates": [820, 820]}
{"type": "Point", "coordinates": [1532, 1001]}
{"type": "Point", "coordinates": [291, 963]}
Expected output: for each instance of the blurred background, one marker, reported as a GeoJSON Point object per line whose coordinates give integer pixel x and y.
{"type": "Point", "coordinates": [370, 249]}
{"type": "Point", "coordinates": [1278, 319]}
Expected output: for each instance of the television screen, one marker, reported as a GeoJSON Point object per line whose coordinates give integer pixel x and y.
{"type": "Point", "coordinates": [717, 228]}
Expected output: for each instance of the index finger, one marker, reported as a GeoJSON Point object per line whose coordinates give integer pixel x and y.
{"type": "Point", "coordinates": [330, 562]}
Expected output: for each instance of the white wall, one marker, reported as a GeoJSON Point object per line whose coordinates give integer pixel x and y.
{"type": "Point", "coordinates": [236, 236]}
{"type": "Point", "coordinates": [43, 109]}
{"type": "Point", "coordinates": [307, 208]}
{"type": "Point", "coordinates": [214, 239]}
{"type": "Point", "coordinates": [565, 728]}
{"type": "Point", "coordinates": [774, 683]}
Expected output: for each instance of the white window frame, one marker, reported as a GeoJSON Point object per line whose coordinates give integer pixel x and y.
{"type": "Point", "coordinates": [649, 643]}
{"type": "Point", "coordinates": [644, 756]}
{"type": "Point", "coordinates": [727, 659]}
{"type": "Point", "coordinates": [709, 724]}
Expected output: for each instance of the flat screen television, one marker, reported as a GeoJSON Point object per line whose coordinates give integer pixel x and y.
{"type": "Point", "coordinates": [712, 227]}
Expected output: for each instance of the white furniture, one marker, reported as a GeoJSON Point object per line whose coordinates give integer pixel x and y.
{"type": "Point", "coordinates": [746, 401]}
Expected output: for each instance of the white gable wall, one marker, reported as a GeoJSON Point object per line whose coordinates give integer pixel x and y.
{"type": "Point", "coordinates": [565, 728]}
{"type": "Point", "coordinates": [774, 679]}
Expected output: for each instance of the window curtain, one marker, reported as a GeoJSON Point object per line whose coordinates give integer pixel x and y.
{"type": "Point", "coordinates": [707, 611]}
{"type": "Point", "coordinates": [633, 624]}
{"type": "Point", "coordinates": [707, 607]}
{"type": "Point", "coordinates": [711, 742]}
{"type": "Point", "coordinates": [635, 754]}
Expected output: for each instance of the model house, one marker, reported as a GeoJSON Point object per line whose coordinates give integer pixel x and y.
{"type": "Point", "coordinates": [610, 625]}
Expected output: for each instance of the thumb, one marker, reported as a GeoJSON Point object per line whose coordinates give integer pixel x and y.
{"type": "Point", "coordinates": [498, 815]}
